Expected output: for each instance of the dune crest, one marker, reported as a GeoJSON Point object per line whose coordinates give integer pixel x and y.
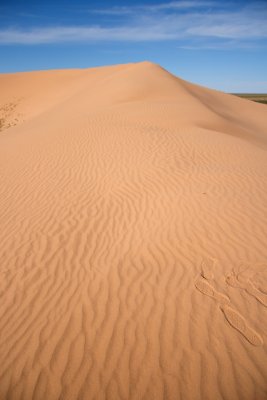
{"type": "Point", "coordinates": [128, 199]}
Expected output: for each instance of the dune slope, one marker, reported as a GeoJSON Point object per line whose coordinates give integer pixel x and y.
{"type": "Point", "coordinates": [133, 229]}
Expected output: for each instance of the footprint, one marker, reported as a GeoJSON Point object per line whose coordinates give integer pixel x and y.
{"type": "Point", "coordinates": [239, 323]}
{"type": "Point", "coordinates": [207, 268]}
{"type": "Point", "coordinates": [253, 291]}
{"type": "Point", "coordinates": [260, 278]}
{"type": "Point", "coordinates": [206, 288]}
{"type": "Point", "coordinates": [231, 280]}
{"type": "Point", "coordinates": [249, 287]}
{"type": "Point", "coordinates": [233, 317]}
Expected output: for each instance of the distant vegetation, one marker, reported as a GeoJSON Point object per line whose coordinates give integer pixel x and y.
{"type": "Point", "coordinates": [259, 98]}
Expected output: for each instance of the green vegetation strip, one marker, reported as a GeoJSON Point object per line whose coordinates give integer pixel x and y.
{"type": "Point", "coordinates": [258, 97]}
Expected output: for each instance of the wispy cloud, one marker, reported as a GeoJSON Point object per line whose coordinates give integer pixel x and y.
{"type": "Point", "coordinates": [148, 8]}
{"type": "Point", "coordinates": [221, 44]}
{"type": "Point", "coordinates": [242, 25]}
{"type": "Point", "coordinates": [78, 34]}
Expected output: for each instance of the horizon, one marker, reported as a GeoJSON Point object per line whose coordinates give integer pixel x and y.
{"type": "Point", "coordinates": [110, 65]}
{"type": "Point", "coordinates": [190, 39]}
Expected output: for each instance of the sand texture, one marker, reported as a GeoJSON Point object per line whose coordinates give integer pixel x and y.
{"type": "Point", "coordinates": [133, 238]}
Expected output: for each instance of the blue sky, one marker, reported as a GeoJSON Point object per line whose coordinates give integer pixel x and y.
{"type": "Point", "coordinates": [219, 44]}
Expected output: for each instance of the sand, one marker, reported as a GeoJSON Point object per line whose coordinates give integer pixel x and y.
{"type": "Point", "coordinates": [133, 238]}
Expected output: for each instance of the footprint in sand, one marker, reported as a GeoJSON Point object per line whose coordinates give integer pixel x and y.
{"type": "Point", "coordinates": [239, 323]}
{"type": "Point", "coordinates": [248, 286]}
{"type": "Point", "coordinates": [206, 288]}
{"type": "Point", "coordinates": [233, 317]}
{"type": "Point", "coordinates": [253, 291]}
{"type": "Point", "coordinates": [207, 268]}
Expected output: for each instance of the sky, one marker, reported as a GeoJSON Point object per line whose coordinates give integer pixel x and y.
{"type": "Point", "coordinates": [218, 44]}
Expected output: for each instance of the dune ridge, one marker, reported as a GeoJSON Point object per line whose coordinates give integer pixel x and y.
{"type": "Point", "coordinates": [133, 258]}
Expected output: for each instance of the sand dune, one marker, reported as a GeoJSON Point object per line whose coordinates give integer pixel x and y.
{"type": "Point", "coordinates": [133, 231]}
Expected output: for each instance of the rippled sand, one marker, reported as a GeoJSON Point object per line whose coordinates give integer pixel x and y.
{"type": "Point", "coordinates": [133, 238]}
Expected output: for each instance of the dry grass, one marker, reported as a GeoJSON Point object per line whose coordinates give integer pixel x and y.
{"type": "Point", "coordinates": [259, 98]}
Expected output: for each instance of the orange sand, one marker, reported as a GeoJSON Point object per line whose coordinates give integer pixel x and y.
{"type": "Point", "coordinates": [133, 238]}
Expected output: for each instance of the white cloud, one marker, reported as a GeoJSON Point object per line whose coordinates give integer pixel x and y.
{"type": "Point", "coordinates": [243, 25]}
{"type": "Point", "coordinates": [78, 34]}
{"type": "Point", "coordinates": [172, 6]}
